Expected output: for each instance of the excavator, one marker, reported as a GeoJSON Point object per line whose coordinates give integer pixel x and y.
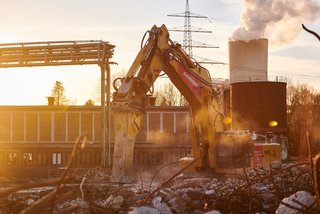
{"type": "Point", "coordinates": [210, 141]}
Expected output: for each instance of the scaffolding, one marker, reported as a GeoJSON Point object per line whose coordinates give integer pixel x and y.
{"type": "Point", "coordinates": [57, 53]}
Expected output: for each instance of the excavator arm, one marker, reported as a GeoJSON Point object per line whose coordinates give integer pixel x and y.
{"type": "Point", "coordinates": [160, 54]}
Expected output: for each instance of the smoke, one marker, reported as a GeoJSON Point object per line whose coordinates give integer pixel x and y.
{"type": "Point", "coordinates": [277, 20]}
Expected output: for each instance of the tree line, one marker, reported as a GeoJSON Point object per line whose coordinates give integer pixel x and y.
{"type": "Point", "coordinates": [59, 95]}
{"type": "Point", "coordinates": [303, 116]}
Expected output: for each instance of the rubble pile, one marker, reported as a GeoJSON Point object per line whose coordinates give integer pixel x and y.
{"type": "Point", "coordinates": [97, 174]}
{"type": "Point", "coordinates": [258, 190]}
{"type": "Point", "coordinates": [281, 189]}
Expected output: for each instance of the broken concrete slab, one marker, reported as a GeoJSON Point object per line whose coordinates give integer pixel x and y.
{"type": "Point", "coordinates": [297, 203]}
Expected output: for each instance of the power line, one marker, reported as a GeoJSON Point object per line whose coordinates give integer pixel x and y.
{"type": "Point", "coordinates": [187, 44]}
{"type": "Point", "coordinates": [203, 60]}
{"type": "Point", "coordinates": [300, 75]}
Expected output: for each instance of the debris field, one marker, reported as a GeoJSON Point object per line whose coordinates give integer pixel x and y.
{"type": "Point", "coordinates": [282, 188]}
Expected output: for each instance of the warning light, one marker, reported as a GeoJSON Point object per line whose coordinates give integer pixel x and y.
{"type": "Point", "coordinates": [227, 120]}
{"type": "Point", "coordinates": [273, 123]}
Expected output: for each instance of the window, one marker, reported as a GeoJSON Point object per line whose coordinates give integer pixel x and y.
{"type": "Point", "coordinates": [42, 158]}
{"type": "Point", "coordinates": [12, 158]}
{"type": "Point", "coordinates": [56, 158]}
{"type": "Point", "coordinates": [1, 158]}
{"type": "Point", "coordinates": [27, 158]}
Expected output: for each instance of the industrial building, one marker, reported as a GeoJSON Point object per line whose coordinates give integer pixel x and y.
{"type": "Point", "coordinates": [37, 140]}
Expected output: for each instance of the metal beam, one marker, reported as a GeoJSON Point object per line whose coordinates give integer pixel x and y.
{"type": "Point", "coordinates": [108, 90]}
{"type": "Point", "coordinates": [54, 53]}
{"type": "Point", "coordinates": [103, 113]}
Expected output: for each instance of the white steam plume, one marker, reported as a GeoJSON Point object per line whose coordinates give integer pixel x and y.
{"type": "Point", "coordinates": [277, 20]}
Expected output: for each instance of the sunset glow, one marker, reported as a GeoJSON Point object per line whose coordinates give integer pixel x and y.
{"type": "Point", "coordinates": [60, 21]}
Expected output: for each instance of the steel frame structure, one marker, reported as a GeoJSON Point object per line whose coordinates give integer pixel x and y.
{"type": "Point", "coordinates": [57, 53]}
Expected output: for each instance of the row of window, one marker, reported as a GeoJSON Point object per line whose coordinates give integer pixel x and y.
{"type": "Point", "coordinates": [67, 126]}
{"type": "Point", "coordinates": [49, 126]}
{"type": "Point", "coordinates": [86, 158]}
{"type": "Point", "coordinates": [41, 158]}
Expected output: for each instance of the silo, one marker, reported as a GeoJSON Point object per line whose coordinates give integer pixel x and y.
{"type": "Point", "coordinates": [248, 61]}
{"type": "Point", "coordinates": [255, 104]}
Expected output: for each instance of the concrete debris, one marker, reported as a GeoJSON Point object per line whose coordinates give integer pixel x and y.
{"type": "Point", "coordinates": [144, 210]}
{"type": "Point", "coordinates": [259, 190]}
{"type": "Point", "coordinates": [177, 206]}
{"type": "Point", "coordinates": [197, 212]}
{"type": "Point", "coordinates": [210, 192]}
{"type": "Point", "coordinates": [30, 201]}
{"type": "Point", "coordinates": [252, 173]}
{"type": "Point", "coordinates": [112, 202]}
{"type": "Point", "coordinates": [82, 206]}
{"type": "Point", "coordinates": [213, 212]}
{"type": "Point", "coordinates": [116, 202]}
{"type": "Point", "coordinates": [161, 206]}
{"type": "Point", "coordinates": [300, 202]}
{"type": "Point", "coordinates": [295, 170]}
{"type": "Point", "coordinates": [276, 164]}
{"type": "Point", "coordinates": [107, 201]}
{"type": "Point", "coordinates": [92, 175]}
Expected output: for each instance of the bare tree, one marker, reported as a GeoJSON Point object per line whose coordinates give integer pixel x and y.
{"type": "Point", "coordinates": [58, 92]}
{"type": "Point", "coordinates": [97, 95]}
{"type": "Point", "coordinates": [303, 116]}
{"type": "Point", "coordinates": [311, 32]}
{"type": "Point", "coordinates": [89, 103]}
{"type": "Point", "coordinates": [169, 96]}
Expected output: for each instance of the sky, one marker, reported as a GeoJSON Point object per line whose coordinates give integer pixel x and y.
{"type": "Point", "coordinates": [123, 24]}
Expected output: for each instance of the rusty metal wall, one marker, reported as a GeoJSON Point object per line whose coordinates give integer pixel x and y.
{"type": "Point", "coordinates": [255, 104]}
{"type": "Point", "coordinates": [226, 106]}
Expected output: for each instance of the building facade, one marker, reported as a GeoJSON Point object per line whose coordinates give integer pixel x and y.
{"type": "Point", "coordinates": [38, 140]}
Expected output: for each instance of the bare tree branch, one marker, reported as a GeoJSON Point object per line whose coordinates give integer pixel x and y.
{"type": "Point", "coordinates": [310, 31]}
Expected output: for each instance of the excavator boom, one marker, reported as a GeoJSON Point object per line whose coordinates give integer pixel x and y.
{"type": "Point", "coordinates": [160, 54]}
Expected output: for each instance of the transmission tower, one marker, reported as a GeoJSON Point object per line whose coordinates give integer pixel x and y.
{"type": "Point", "coordinates": [187, 29]}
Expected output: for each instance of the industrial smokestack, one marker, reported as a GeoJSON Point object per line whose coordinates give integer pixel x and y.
{"type": "Point", "coordinates": [248, 61]}
{"type": "Point", "coordinates": [278, 20]}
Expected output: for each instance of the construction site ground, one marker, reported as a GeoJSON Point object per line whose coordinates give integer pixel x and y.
{"type": "Point", "coordinates": [282, 188]}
